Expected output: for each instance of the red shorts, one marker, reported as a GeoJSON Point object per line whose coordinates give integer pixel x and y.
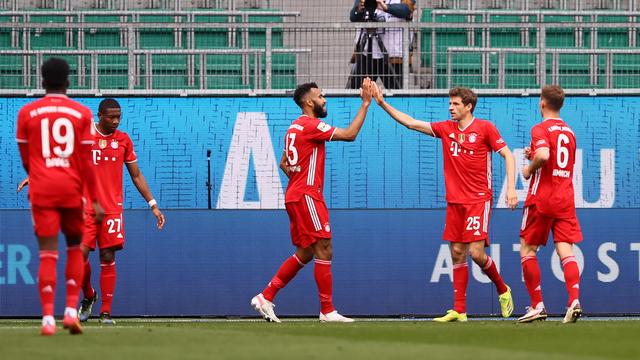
{"type": "Point", "coordinates": [309, 221]}
{"type": "Point", "coordinates": [467, 223]}
{"type": "Point", "coordinates": [47, 222]}
{"type": "Point", "coordinates": [108, 234]}
{"type": "Point", "coordinates": [536, 226]}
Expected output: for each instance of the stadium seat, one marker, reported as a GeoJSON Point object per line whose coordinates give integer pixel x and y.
{"type": "Point", "coordinates": [210, 38]}
{"type": "Point", "coordinates": [5, 34]}
{"type": "Point", "coordinates": [46, 39]}
{"type": "Point", "coordinates": [113, 71]}
{"type": "Point", "coordinates": [156, 38]}
{"type": "Point", "coordinates": [626, 71]}
{"type": "Point", "coordinates": [223, 71]}
{"type": "Point", "coordinates": [613, 37]}
{"type": "Point", "coordinates": [445, 37]}
{"type": "Point", "coordinates": [103, 38]}
{"type": "Point", "coordinates": [11, 72]}
{"type": "Point", "coordinates": [521, 71]}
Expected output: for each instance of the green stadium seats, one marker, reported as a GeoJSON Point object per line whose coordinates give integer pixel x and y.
{"type": "Point", "coordinates": [445, 37]}
{"type": "Point", "coordinates": [156, 38]}
{"type": "Point", "coordinates": [113, 72]}
{"type": "Point", "coordinates": [613, 37]}
{"type": "Point", "coordinates": [213, 38]}
{"type": "Point", "coordinates": [103, 38]}
{"type": "Point", "coordinates": [521, 71]}
{"type": "Point", "coordinates": [11, 71]}
{"type": "Point", "coordinates": [51, 38]}
{"type": "Point", "coordinates": [626, 71]}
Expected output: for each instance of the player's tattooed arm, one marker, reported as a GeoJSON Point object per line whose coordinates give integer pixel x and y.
{"type": "Point", "coordinates": [402, 118]}
{"type": "Point", "coordinates": [283, 164]}
{"type": "Point", "coordinates": [510, 162]}
{"type": "Point", "coordinates": [143, 188]}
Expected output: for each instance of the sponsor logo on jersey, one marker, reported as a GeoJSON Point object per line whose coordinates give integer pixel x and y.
{"type": "Point", "coordinates": [541, 142]}
{"type": "Point", "coordinates": [114, 144]}
{"type": "Point", "coordinates": [324, 127]}
{"type": "Point", "coordinates": [473, 137]}
{"type": "Point", "coordinates": [327, 228]}
{"type": "Point", "coordinates": [500, 141]}
{"type": "Point", "coordinates": [102, 143]}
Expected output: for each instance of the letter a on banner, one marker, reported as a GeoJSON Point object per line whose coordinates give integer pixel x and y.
{"type": "Point", "coordinates": [251, 137]}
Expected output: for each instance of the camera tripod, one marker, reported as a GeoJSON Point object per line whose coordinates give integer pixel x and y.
{"type": "Point", "coordinates": [365, 65]}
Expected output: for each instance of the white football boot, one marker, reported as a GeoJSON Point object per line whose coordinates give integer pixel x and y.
{"type": "Point", "coordinates": [264, 307]}
{"type": "Point", "coordinates": [334, 317]}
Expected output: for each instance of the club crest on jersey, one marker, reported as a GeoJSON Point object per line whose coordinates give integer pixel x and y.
{"type": "Point", "coordinates": [324, 127]}
{"type": "Point", "coordinates": [102, 143]}
{"type": "Point", "coordinates": [114, 144]}
{"type": "Point", "coordinates": [473, 137]}
{"type": "Point", "coordinates": [460, 138]}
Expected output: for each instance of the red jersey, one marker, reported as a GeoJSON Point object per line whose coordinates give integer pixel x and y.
{"type": "Point", "coordinates": [110, 153]}
{"type": "Point", "coordinates": [55, 127]}
{"type": "Point", "coordinates": [304, 148]}
{"type": "Point", "coordinates": [467, 159]}
{"type": "Point", "coordinates": [551, 186]}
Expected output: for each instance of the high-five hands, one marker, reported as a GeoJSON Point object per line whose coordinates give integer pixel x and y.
{"type": "Point", "coordinates": [366, 90]}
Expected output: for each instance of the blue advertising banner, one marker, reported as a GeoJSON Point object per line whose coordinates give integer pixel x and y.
{"type": "Point", "coordinates": [213, 262]}
{"type": "Point", "coordinates": [385, 192]}
{"type": "Point", "coordinates": [387, 167]}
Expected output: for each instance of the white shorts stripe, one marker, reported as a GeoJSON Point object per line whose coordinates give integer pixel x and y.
{"type": "Point", "coordinates": [485, 220]}
{"type": "Point", "coordinates": [313, 213]}
{"type": "Point", "coordinates": [524, 218]}
{"type": "Point", "coordinates": [536, 182]}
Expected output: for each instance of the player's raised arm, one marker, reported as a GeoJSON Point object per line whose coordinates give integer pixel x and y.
{"type": "Point", "coordinates": [351, 132]}
{"type": "Point", "coordinates": [399, 116]}
{"type": "Point", "coordinates": [143, 188]}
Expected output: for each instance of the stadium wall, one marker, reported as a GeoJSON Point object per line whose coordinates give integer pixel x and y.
{"type": "Point", "coordinates": [385, 191]}
{"type": "Point", "coordinates": [388, 167]}
{"type": "Point", "coordinates": [387, 262]}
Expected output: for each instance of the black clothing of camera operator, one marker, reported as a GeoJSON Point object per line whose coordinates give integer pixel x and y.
{"type": "Point", "coordinates": [369, 59]}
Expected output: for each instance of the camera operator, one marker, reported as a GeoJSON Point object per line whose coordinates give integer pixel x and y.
{"type": "Point", "coordinates": [369, 55]}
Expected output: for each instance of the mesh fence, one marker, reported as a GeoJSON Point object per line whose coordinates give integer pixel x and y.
{"type": "Point", "coordinates": [248, 51]}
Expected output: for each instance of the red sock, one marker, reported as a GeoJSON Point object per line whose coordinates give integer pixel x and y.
{"type": "Point", "coordinates": [324, 280]}
{"type": "Point", "coordinates": [531, 272]}
{"type": "Point", "coordinates": [460, 281]}
{"type": "Point", "coordinates": [571, 278]}
{"type": "Point", "coordinates": [107, 285]}
{"type": "Point", "coordinates": [73, 274]}
{"type": "Point", "coordinates": [287, 271]}
{"type": "Point", "coordinates": [489, 268]}
{"type": "Point", "coordinates": [87, 289]}
{"type": "Point", "coordinates": [47, 280]}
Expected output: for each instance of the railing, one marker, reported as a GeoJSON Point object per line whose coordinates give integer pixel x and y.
{"type": "Point", "coordinates": [328, 46]}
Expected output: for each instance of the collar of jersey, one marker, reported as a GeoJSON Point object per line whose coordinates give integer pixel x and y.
{"type": "Point", "coordinates": [466, 127]}
{"type": "Point", "coordinates": [56, 95]}
{"type": "Point", "coordinates": [95, 126]}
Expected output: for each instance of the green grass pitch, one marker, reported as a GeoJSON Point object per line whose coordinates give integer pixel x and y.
{"type": "Point", "coordinates": [307, 339]}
